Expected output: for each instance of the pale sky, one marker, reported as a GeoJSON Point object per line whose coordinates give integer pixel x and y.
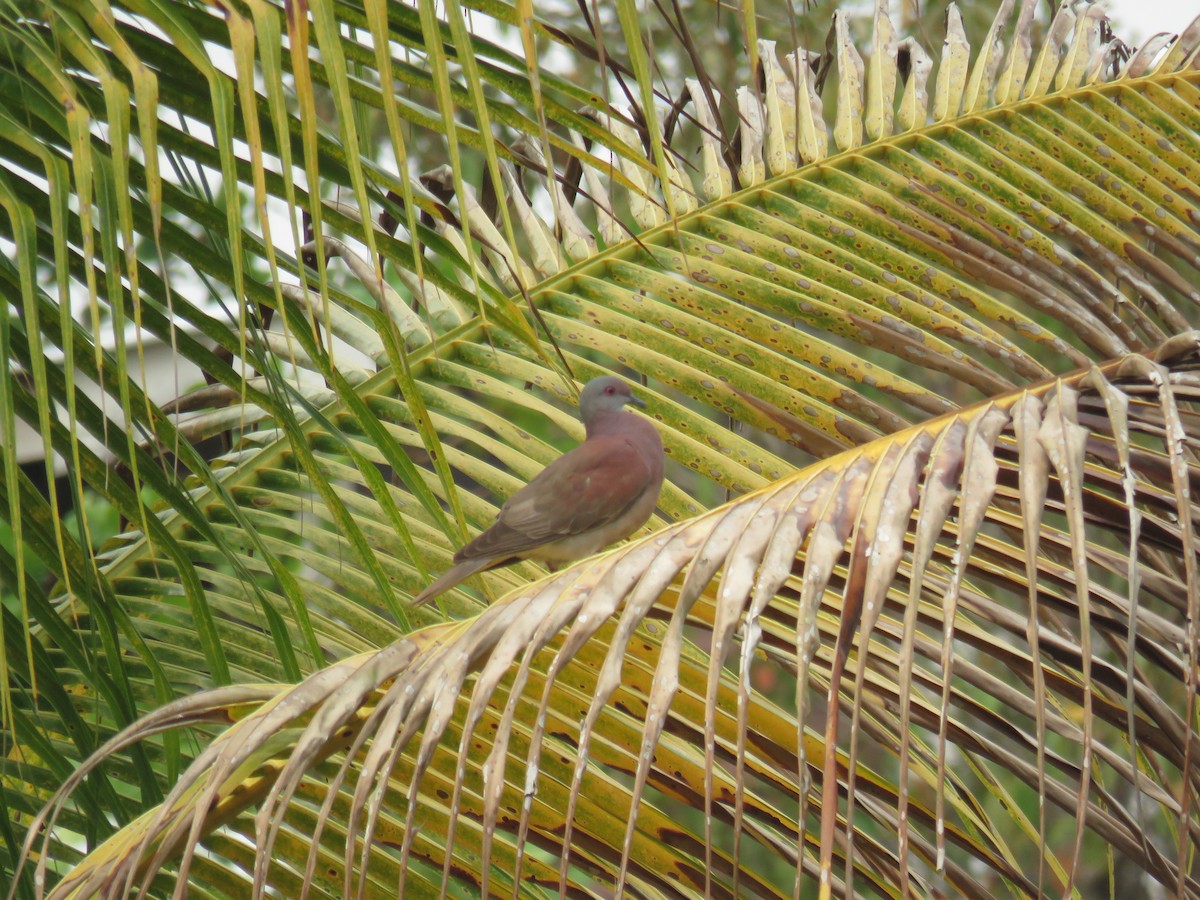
{"type": "Point", "coordinates": [1136, 20]}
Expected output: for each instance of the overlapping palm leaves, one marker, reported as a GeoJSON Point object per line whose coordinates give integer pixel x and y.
{"type": "Point", "coordinates": [1036, 674]}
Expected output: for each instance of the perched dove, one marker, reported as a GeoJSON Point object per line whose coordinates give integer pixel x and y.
{"type": "Point", "coordinates": [588, 498]}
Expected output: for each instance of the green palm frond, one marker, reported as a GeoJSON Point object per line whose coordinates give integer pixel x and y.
{"type": "Point", "coordinates": [807, 265]}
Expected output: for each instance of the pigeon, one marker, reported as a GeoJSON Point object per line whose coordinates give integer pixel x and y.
{"type": "Point", "coordinates": [590, 497]}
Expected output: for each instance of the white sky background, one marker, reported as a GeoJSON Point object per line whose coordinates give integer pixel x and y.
{"type": "Point", "coordinates": [1136, 20]}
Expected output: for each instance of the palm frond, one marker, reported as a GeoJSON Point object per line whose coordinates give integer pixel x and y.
{"type": "Point", "coordinates": [877, 576]}
{"type": "Point", "coordinates": [871, 254]}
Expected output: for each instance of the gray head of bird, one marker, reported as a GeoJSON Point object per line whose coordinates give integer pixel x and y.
{"type": "Point", "coordinates": [605, 394]}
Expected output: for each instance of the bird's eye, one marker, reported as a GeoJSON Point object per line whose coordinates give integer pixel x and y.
{"type": "Point", "coordinates": [610, 390]}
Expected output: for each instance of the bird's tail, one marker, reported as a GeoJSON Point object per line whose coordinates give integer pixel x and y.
{"type": "Point", "coordinates": [454, 575]}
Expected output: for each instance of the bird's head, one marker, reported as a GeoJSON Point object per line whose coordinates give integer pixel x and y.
{"type": "Point", "coordinates": [608, 393]}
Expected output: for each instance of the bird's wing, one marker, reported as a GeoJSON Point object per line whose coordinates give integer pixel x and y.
{"type": "Point", "coordinates": [587, 488]}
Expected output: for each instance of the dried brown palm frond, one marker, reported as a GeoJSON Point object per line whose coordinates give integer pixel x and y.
{"type": "Point", "coordinates": [1005, 593]}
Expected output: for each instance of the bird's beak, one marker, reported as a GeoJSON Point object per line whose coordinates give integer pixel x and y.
{"type": "Point", "coordinates": [638, 402]}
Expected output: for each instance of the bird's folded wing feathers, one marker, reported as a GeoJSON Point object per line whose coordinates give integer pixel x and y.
{"type": "Point", "coordinates": [582, 490]}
